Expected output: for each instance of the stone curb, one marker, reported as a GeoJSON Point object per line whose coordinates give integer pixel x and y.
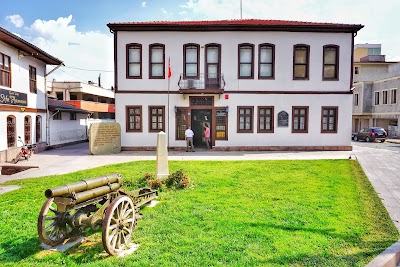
{"type": "Point", "coordinates": [388, 258]}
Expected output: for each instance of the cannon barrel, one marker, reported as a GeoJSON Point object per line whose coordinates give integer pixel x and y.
{"type": "Point", "coordinates": [83, 185]}
{"type": "Point", "coordinates": [96, 192]}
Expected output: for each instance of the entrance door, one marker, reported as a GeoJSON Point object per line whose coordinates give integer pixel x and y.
{"type": "Point", "coordinates": [200, 117]}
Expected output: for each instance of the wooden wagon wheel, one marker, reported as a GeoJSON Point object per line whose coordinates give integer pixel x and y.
{"type": "Point", "coordinates": [118, 225]}
{"type": "Point", "coordinates": [53, 229]}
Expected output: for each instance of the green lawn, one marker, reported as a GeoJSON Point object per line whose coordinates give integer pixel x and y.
{"type": "Point", "coordinates": [235, 213]}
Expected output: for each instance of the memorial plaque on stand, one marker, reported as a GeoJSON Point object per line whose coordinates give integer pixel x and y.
{"type": "Point", "coordinates": [104, 138]}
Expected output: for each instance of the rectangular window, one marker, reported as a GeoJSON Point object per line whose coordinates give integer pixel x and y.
{"type": "Point", "coordinates": [355, 99]}
{"type": "Point", "coordinates": [266, 60]}
{"type": "Point", "coordinates": [301, 62]}
{"type": "Point", "coordinates": [5, 70]}
{"type": "Point", "coordinates": [356, 70]}
{"type": "Point", "coordinates": [385, 97]}
{"type": "Point", "coordinates": [134, 61]}
{"type": "Point", "coordinates": [329, 119]}
{"type": "Point", "coordinates": [72, 116]}
{"type": "Point", "coordinates": [156, 118]}
{"type": "Point", "coordinates": [376, 97]}
{"type": "Point", "coordinates": [221, 125]}
{"type": "Point", "coordinates": [331, 62]}
{"type": "Point", "coordinates": [60, 96]}
{"type": "Point", "coordinates": [245, 119]}
{"type": "Point", "coordinates": [32, 80]}
{"type": "Point", "coordinates": [57, 116]}
{"type": "Point", "coordinates": [181, 118]}
{"type": "Point", "coordinates": [246, 66]}
{"type": "Point", "coordinates": [265, 120]}
{"type": "Point", "coordinates": [374, 51]}
{"type": "Point", "coordinates": [157, 61]}
{"type": "Point", "coordinates": [300, 120]}
{"type": "Point", "coordinates": [393, 96]}
{"type": "Point", "coordinates": [133, 118]}
{"type": "Point", "coordinates": [191, 54]}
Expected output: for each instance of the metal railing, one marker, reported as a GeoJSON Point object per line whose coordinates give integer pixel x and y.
{"type": "Point", "coordinates": [202, 81]}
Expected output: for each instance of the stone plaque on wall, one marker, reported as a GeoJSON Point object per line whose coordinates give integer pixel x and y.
{"type": "Point", "coordinates": [283, 119]}
{"type": "Point", "coordinates": [104, 138]}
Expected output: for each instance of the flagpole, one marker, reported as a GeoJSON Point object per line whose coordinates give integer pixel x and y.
{"type": "Point", "coordinates": [169, 81]}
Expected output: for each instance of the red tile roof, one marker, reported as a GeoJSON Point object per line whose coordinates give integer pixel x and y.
{"type": "Point", "coordinates": [239, 24]}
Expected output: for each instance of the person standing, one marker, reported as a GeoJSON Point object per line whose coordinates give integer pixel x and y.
{"type": "Point", "coordinates": [207, 136]}
{"type": "Point", "coordinates": [189, 139]}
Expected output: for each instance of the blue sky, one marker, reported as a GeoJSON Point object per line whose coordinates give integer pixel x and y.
{"type": "Point", "coordinates": [75, 31]}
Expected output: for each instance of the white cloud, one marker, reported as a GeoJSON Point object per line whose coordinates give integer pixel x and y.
{"type": "Point", "coordinates": [17, 20]}
{"type": "Point", "coordinates": [164, 11]}
{"type": "Point", "coordinates": [85, 50]}
{"type": "Point", "coordinates": [144, 4]}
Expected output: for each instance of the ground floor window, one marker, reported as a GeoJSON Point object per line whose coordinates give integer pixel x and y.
{"type": "Point", "coordinates": [38, 128]}
{"type": "Point", "coordinates": [57, 116]}
{"type": "Point", "coordinates": [11, 139]}
{"type": "Point", "coordinates": [156, 118]}
{"type": "Point", "coordinates": [329, 119]}
{"type": "Point", "coordinates": [265, 120]}
{"type": "Point", "coordinates": [299, 119]}
{"type": "Point", "coordinates": [72, 116]}
{"type": "Point", "coordinates": [221, 124]}
{"type": "Point", "coordinates": [245, 120]}
{"type": "Point", "coordinates": [27, 129]}
{"type": "Point", "coordinates": [133, 118]}
{"type": "Point", "coordinates": [182, 122]}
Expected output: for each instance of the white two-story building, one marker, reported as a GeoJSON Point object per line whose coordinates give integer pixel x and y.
{"type": "Point", "coordinates": [23, 109]}
{"type": "Point", "coordinates": [258, 84]}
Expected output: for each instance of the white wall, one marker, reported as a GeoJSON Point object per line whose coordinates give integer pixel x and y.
{"type": "Point", "coordinates": [229, 41]}
{"type": "Point", "coordinates": [66, 130]}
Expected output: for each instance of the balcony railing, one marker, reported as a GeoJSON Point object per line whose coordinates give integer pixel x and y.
{"type": "Point", "coordinates": [213, 83]}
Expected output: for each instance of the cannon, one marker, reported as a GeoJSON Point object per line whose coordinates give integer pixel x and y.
{"type": "Point", "coordinates": [92, 203]}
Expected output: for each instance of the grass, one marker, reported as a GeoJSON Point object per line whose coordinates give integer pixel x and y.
{"type": "Point", "coordinates": [235, 213]}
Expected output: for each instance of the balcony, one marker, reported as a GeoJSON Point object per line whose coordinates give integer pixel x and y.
{"type": "Point", "coordinates": [202, 84]}
{"type": "Point", "coordinates": [92, 106]}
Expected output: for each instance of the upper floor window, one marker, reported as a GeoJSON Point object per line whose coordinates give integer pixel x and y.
{"type": "Point", "coordinates": [245, 119]}
{"type": "Point", "coordinates": [376, 96]}
{"type": "Point", "coordinates": [246, 64]}
{"type": "Point", "coordinates": [5, 70]}
{"type": "Point", "coordinates": [329, 119]}
{"type": "Point", "coordinates": [385, 97]}
{"type": "Point", "coordinates": [133, 118]}
{"type": "Point", "coordinates": [157, 61]}
{"type": "Point", "coordinates": [331, 62]}
{"type": "Point", "coordinates": [156, 118]}
{"type": "Point", "coordinates": [355, 99]}
{"type": "Point", "coordinates": [266, 61]}
{"type": "Point", "coordinates": [265, 119]}
{"type": "Point", "coordinates": [191, 54]}
{"type": "Point", "coordinates": [301, 59]}
{"type": "Point", "coordinates": [393, 96]}
{"type": "Point", "coordinates": [32, 80]}
{"type": "Point", "coordinates": [300, 120]}
{"type": "Point", "coordinates": [356, 70]}
{"type": "Point", "coordinates": [134, 61]}
{"type": "Point", "coordinates": [374, 51]}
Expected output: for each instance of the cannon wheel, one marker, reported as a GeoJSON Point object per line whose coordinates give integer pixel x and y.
{"type": "Point", "coordinates": [52, 229]}
{"type": "Point", "coordinates": [118, 224]}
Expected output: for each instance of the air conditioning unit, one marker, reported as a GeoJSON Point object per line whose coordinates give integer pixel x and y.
{"type": "Point", "coordinates": [190, 84]}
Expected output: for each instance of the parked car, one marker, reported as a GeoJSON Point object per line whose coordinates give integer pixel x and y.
{"type": "Point", "coordinates": [371, 134]}
{"type": "Point", "coordinates": [353, 134]}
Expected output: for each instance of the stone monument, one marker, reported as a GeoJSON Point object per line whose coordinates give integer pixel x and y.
{"type": "Point", "coordinates": [104, 138]}
{"type": "Point", "coordinates": [162, 156]}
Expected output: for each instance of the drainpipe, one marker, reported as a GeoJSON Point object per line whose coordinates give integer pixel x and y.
{"type": "Point", "coordinates": [47, 103]}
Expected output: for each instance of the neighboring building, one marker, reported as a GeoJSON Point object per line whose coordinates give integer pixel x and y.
{"type": "Point", "coordinates": [23, 108]}
{"type": "Point", "coordinates": [97, 100]}
{"type": "Point", "coordinates": [67, 124]}
{"type": "Point", "coordinates": [259, 84]}
{"type": "Point", "coordinates": [376, 90]}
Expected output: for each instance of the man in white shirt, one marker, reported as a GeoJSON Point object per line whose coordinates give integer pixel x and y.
{"type": "Point", "coordinates": [189, 139]}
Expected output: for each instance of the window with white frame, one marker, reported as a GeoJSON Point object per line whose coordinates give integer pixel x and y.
{"type": "Point", "coordinates": [376, 98]}
{"type": "Point", "coordinates": [134, 61]}
{"type": "Point", "coordinates": [385, 97]}
{"type": "Point", "coordinates": [393, 96]}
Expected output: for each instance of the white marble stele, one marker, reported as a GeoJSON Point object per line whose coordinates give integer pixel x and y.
{"type": "Point", "coordinates": [162, 156]}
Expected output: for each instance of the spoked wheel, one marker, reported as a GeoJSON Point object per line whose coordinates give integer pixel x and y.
{"type": "Point", "coordinates": [118, 225]}
{"type": "Point", "coordinates": [53, 228]}
{"type": "Point", "coordinates": [16, 159]}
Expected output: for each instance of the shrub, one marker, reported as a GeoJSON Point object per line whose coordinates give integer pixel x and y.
{"type": "Point", "coordinates": [177, 180]}
{"type": "Point", "coordinates": [144, 181]}
{"type": "Point", "coordinates": [155, 184]}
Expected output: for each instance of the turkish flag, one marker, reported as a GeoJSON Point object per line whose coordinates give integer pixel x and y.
{"type": "Point", "coordinates": [169, 68]}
